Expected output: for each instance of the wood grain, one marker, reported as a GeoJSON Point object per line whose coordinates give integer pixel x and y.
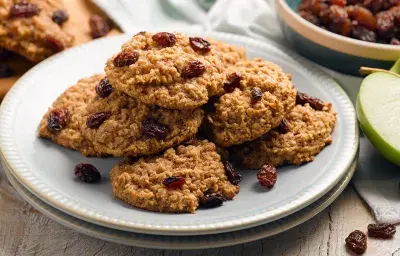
{"type": "Point", "coordinates": [78, 25]}
{"type": "Point", "coordinates": [24, 231]}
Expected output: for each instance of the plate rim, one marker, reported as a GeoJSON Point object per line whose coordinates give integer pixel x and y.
{"type": "Point", "coordinates": [139, 240]}
{"type": "Point", "coordinates": [25, 176]}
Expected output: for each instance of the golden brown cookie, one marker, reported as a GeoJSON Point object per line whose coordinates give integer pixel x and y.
{"type": "Point", "coordinates": [33, 28]}
{"type": "Point", "coordinates": [175, 181]}
{"type": "Point", "coordinates": [259, 94]}
{"type": "Point", "coordinates": [305, 133]}
{"type": "Point", "coordinates": [63, 121]}
{"type": "Point", "coordinates": [120, 125]}
{"type": "Point", "coordinates": [170, 70]}
{"type": "Point", "coordinates": [230, 54]}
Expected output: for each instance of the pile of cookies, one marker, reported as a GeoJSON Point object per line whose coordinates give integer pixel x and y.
{"type": "Point", "coordinates": [34, 28]}
{"type": "Point", "coordinates": [181, 109]}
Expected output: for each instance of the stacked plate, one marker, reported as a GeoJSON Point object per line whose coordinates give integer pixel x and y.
{"type": "Point", "coordinates": [42, 172]}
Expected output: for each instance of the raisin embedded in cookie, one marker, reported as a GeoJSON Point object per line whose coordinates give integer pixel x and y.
{"type": "Point", "coordinates": [63, 121]}
{"type": "Point", "coordinates": [258, 95]}
{"type": "Point", "coordinates": [303, 134]}
{"type": "Point", "coordinates": [174, 182]}
{"type": "Point", "coordinates": [33, 28]}
{"type": "Point", "coordinates": [120, 125]}
{"type": "Point", "coordinates": [167, 69]}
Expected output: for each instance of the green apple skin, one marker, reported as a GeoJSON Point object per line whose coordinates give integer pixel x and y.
{"type": "Point", "coordinates": [391, 153]}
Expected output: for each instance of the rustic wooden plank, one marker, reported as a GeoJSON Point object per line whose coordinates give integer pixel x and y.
{"type": "Point", "coordinates": [24, 231]}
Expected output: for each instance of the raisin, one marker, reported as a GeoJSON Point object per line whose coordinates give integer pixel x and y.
{"type": "Point", "coordinates": [24, 10]}
{"type": "Point", "coordinates": [396, 15]}
{"type": "Point", "coordinates": [283, 128]}
{"type": "Point", "coordinates": [341, 3]}
{"type": "Point", "coordinates": [60, 17]}
{"type": "Point", "coordinates": [95, 120]}
{"type": "Point", "coordinates": [364, 17]}
{"type": "Point", "coordinates": [256, 95]}
{"type": "Point", "coordinates": [310, 17]}
{"type": "Point", "coordinates": [174, 182]}
{"type": "Point", "coordinates": [126, 58]}
{"type": "Point", "coordinates": [233, 81]}
{"type": "Point", "coordinates": [199, 44]}
{"type": "Point", "coordinates": [87, 173]}
{"type": "Point", "coordinates": [364, 34]}
{"type": "Point", "coordinates": [267, 176]}
{"type": "Point", "coordinates": [212, 200]}
{"type": "Point", "coordinates": [4, 54]}
{"type": "Point", "coordinates": [317, 7]}
{"type": "Point", "coordinates": [153, 129]}
{"type": "Point", "coordinates": [99, 27]}
{"type": "Point", "coordinates": [395, 41]}
{"type": "Point", "coordinates": [374, 5]}
{"type": "Point", "coordinates": [353, 2]}
{"type": "Point", "coordinates": [345, 28]}
{"type": "Point", "coordinates": [5, 70]}
{"type": "Point", "coordinates": [315, 103]}
{"type": "Point", "coordinates": [164, 39]}
{"type": "Point", "coordinates": [58, 119]}
{"type": "Point", "coordinates": [384, 230]}
{"type": "Point", "coordinates": [305, 5]}
{"type": "Point", "coordinates": [54, 44]}
{"type": "Point", "coordinates": [337, 14]}
{"type": "Point", "coordinates": [104, 88]}
{"type": "Point", "coordinates": [357, 241]}
{"type": "Point", "coordinates": [385, 24]}
{"type": "Point", "coordinates": [234, 177]}
{"type": "Point", "coordinates": [194, 69]}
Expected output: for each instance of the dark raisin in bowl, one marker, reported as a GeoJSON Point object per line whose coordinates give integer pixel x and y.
{"type": "Point", "coordinates": [343, 35]}
{"type": "Point", "coordinates": [372, 21]}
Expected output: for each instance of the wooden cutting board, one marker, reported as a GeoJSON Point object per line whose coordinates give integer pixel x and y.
{"type": "Point", "coordinates": [78, 25]}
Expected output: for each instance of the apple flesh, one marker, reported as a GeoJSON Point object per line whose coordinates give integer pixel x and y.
{"type": "Point", "coordinates": [378, 112]}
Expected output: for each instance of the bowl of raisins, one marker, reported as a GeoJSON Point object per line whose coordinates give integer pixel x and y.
{"type": "Point", "coordinates": [343, 35]}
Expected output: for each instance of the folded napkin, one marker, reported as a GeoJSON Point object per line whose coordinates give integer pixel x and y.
{"type": "Point", "coordinates": [376, 180]}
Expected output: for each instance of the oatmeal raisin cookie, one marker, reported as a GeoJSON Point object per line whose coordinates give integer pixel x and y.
{"type": "Point", "coordinates": [141, 183]}
{"type": "Point", "coordinates": [131, 128]}
{"type": "Point", "coordinates": [230, 54]}
{"type": "Point", "coordinates": [27, 28]}
{"type": "Point", "coordinates": [307, 131]}
{"type": "Point", "coordinates": [165, 69]}
{"type": "Point", "coordinates": [259, 94]}
{"type": "Point", "coordinates": [75, 100]}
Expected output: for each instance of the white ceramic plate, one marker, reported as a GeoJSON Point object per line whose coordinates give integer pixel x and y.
{"type": "Point", "coordinates": [46, 169]}
{"type": "Point", "coordinates": [185, 242]}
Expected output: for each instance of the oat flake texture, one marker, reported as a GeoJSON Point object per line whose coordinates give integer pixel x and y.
{"type": "Point", "coordinates": [141, 183]}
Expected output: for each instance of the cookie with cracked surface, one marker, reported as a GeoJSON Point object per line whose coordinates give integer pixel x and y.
{"type": "Point", "coordinates": [230, 54]}
{"type": "Point", "coordinates": [63, 121]}
{"type": "Point", "coordinates": [198, 168]}
{"type": "Point", "coordinates": [259, 94]}
{"type": "Point", "coordinates": [305, 133]}
{"type": "Point", "coordinates": [120, 125]}
{"type": "Point", "coordinates": [32, 28]}
{"type": "Point", "coordinates": [170, 70]}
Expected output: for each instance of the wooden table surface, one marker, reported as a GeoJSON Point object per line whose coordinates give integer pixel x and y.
{"type": "Point", "coordinates": [24, 231]}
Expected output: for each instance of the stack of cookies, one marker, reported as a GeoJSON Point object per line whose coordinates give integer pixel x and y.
{"type": "Point", "coordinates": [178, 107]}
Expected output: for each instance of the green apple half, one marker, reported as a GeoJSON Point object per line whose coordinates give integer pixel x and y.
{"type": "Point", "coordinates": [378, 111]}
